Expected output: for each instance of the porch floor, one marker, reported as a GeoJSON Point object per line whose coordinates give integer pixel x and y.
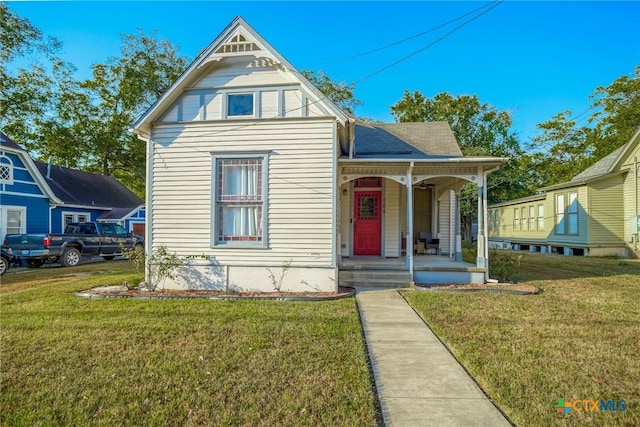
{"type": "Point", "coordinates": [420, 263]}
{"type": "Point", "coordinates": [394, 272]}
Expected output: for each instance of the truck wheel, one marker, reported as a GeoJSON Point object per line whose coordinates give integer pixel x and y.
{"type": "Point", "coordinates": [34, 263]}
{"type": "Point", "coordinates": [4, 265]}
{"type": "Point", "coordinates": [70, 257]}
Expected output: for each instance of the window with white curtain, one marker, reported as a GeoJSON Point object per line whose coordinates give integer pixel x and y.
{"type": "Point", "coordinates": [239, 198]}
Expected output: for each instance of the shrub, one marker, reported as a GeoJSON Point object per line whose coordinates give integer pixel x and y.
{"type": "Point", "coordinates": [503, 265]}
{"type": "Point", "coordinates": [161, 265]}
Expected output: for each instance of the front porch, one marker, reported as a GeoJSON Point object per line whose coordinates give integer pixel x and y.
{"type": "Point", "coordinates": [395, 272]}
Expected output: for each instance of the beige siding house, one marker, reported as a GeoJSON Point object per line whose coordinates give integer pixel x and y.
{"type": "Point", "coordinates": [596, 213]}
{"type": "Point", "coordinates": [250, 165]}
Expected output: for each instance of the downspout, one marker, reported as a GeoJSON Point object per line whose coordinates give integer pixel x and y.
{"type": "Point", "coordinates": [409, 237]}
{"type": "Point", "coordinates": [51, 208]}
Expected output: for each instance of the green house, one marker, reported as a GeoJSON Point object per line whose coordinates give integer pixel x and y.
{"type": "Point", "coordinates": [597, 213]}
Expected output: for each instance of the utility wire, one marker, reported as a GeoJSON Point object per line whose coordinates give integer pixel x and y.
{"type": "Point", "coordinates": [429, 45]}
{"type": "Point", "coordinates": [357, 55]}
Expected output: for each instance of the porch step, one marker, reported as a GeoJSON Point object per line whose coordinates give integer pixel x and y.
{"type": "Point", "coordinates": [374, 278]}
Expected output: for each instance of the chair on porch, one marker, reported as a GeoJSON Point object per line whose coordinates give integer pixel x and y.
{"type": "Point", "coordinates": [431, 245]}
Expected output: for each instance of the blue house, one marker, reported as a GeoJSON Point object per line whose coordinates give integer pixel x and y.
{"type": "Point", "coordinates": [37, 197]}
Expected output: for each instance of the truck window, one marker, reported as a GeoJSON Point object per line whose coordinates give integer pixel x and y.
{"type": "Point", "coordinates": [121, 232]}
{"type": "Point", "coordinates": [90, 229]}
{"type": "Point", "coordinates": [107, 229]}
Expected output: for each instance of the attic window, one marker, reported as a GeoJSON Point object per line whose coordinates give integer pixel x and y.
{"type": "Point", "coordinates": [6, 170]}
{"type": "Point", "coordinates": [240, 105]}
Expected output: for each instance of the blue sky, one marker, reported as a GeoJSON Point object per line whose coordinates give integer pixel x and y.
{"type": "Point", "coordinates": [534, 59]}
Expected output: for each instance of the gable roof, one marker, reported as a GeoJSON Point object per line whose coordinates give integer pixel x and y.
{"type": "Point", "coordinates": [608, 165]}
{"type": "Point", "coordinates": [80, 188]}
{"type": "Point", "coordinates": [66, 186]}
{"type": "Point", "coordinates": [238, 32]}
{"type": "Point", "coordinates": [405, 141]}
{"type": "Point", "coordinates": [7, 144]}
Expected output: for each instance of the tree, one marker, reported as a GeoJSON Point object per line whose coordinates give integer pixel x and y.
{"type": "Point", "coordinates": [481, 130]}
{"type": "Point", "coordinates": [29, 89]}
{"type": "Point", "coordinates": [341, 93]}
{"type": "Point", "coordinates": [83, 124]}
{"type": "Point", "coordinates": [563, 149]}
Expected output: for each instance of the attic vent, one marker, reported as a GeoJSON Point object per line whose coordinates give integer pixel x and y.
{"type": "Point", "coordinates": [238, 44]}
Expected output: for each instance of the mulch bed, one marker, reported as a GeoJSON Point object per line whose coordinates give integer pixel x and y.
{"type": "Point", "coordinates": [121, 291]}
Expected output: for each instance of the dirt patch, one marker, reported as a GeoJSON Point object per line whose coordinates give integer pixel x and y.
{"type": "Point", "coordinates": [507, 288]}
{"type": "Point", "coordinates": [121, 291]}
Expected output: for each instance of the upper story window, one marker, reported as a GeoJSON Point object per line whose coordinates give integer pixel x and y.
{"type": "Point", "coordinates": [240, 105]}
{"type": "Point", "coordinates": [6, 170]}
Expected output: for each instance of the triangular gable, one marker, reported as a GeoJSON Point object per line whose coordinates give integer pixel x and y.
{"type": "Point", "coordinates": [631, 149]}
{"type": "Point", "coordinates": [237, 39]}
{"type": "Point", "coordinates": [7, 144]}
{"type": "Point", "coordinates": [610, 164]}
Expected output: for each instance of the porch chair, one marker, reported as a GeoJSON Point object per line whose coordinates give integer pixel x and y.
{"type": "Point", "coordinates": [431, 245]}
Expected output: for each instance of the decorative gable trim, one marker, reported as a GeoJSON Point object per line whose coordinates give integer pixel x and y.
{"type": "Point", "coordinates": [237, 39]}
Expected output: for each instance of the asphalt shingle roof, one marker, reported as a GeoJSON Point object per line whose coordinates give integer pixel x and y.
{"type": "Point", "coordinates": [76, 187]}
{"type": "Point", "coordinates": [405, 140]}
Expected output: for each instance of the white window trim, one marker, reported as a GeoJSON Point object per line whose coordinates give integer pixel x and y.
{"type": "Point", "coordinates": [75, 217]}
{"type": "Point", "coordinates": [215, 243]}
{"type": "Point", "coordinates": [8, 181]}
{"type": "Point", "coordinates": [3, 219]}
{"type": "Point", "coordinates": [225, 104]}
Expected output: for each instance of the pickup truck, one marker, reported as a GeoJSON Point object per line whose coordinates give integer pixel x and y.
{"type": "Point", "coordinates": [78, 239]}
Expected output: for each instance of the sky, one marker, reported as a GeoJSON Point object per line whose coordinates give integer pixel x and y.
{"type": "Point", "coordinates": [534, 59]}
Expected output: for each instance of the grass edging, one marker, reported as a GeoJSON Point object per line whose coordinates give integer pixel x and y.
{"type": "Point", "coordinates": [90, 295]}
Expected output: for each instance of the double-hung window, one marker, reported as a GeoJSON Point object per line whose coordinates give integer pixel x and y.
{"type": "Point", "coordinates": [240, 205]}
{"type": "Point", "coordinates": [540, 217]}
{"type": "Point", "coordinates": [567, 213]}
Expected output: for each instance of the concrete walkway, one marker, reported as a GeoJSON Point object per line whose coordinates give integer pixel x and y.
{"type": "Point", "coordinates": [419, 382]}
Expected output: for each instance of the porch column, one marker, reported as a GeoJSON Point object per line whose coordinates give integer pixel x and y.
{"type": "Point", "coordinates": [481, 260]}
{"type": "Point", "coordinates": [409, 236]}
{"type": "Point", "coordinates": [458, 230]}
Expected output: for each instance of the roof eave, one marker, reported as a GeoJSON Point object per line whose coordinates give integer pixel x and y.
{"type": "Point", "coordinates": [142, 126]}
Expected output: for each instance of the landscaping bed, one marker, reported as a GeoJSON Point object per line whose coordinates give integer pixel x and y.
{"type": "Point", "coordinates": [123, 291]}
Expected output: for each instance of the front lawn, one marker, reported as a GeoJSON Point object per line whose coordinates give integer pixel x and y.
{"type": "Point", "coordinates": [74, 361]}
{"type": "Point", "coordinates": [578, 340]}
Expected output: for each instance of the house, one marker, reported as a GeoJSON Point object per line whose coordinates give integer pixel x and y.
{"type": "Point", "coordinates": [596, 213]}
{"type": "Point", "coordinates": [37, 197]}
{"type": "Point", "coordinates": [252, 166]}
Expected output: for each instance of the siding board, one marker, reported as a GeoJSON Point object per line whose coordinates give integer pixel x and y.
{"type": "Point", "coordinates": [300, 188]}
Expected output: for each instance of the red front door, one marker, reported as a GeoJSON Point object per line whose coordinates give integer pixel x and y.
{"type": "Point", "coordinates": [367, 223]}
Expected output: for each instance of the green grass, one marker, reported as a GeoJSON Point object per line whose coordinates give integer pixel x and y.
{"type": "Point", "coordinates": [578, 340]}
{"type": "Point", "coordinates": [74, 361]}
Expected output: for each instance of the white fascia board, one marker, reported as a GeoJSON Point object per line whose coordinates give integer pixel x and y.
{"type": "Point", "coordinates": [35, 173]}
{"type": "Point", "coordinates": [142, 126]}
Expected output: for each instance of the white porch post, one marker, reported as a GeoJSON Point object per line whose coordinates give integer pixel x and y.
{"type": "Point", "coordinates": [458, 230]}
{"type": "Point", "coordinates": [481, 260]}
{"type": "Point", "coordinates": [409, 236]}
{"type": "Point", "coordinates": [485, 221]}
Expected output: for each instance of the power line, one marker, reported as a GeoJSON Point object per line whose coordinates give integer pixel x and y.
{"type": "Point", "coordinates": [357, 55]}
{"type": "Point", "coordinates": [393, 64]}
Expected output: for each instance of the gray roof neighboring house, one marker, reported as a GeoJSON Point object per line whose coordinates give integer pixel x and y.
{"type": "Point", "coordinates": [76, 187]}
{"type": "Point", "coordinates": [601, 168]}
{"type": "Point", "coordinates": [79, 188]}
{"type": "Point", "coordinates": [405, 141]}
